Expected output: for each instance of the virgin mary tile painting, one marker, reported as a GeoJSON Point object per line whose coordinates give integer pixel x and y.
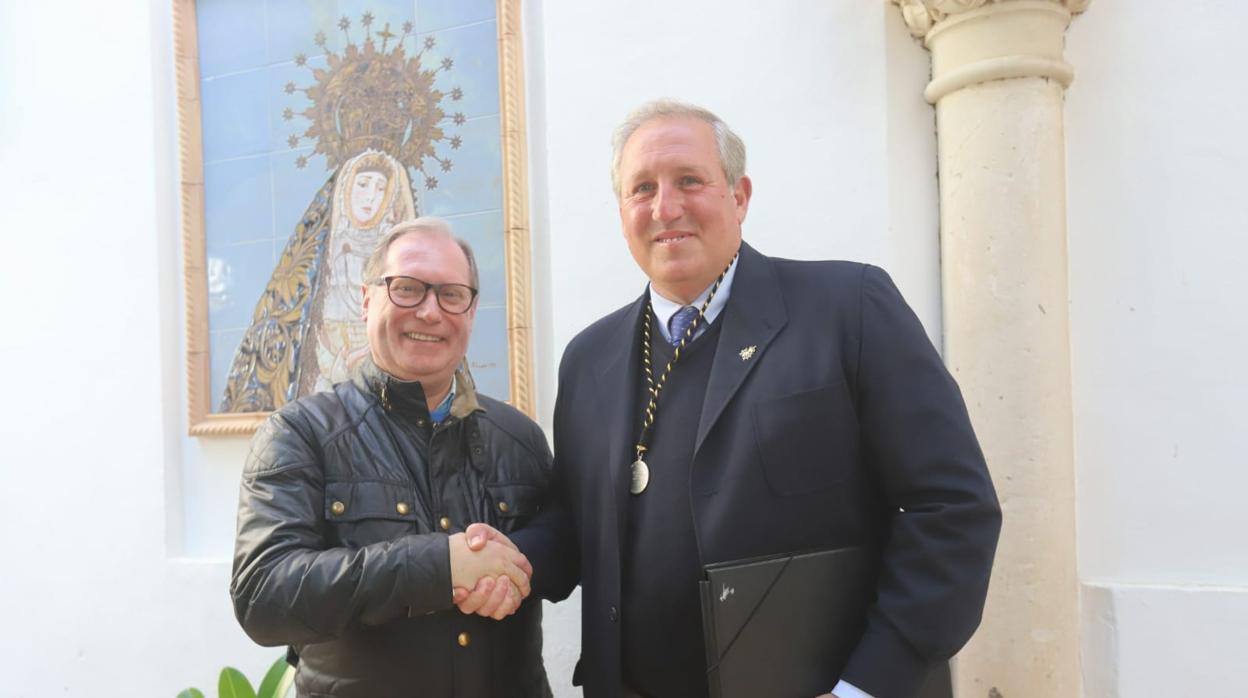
{"type": "Point", "coordinates": [318, 134]}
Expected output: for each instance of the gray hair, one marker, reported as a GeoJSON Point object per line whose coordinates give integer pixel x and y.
{"type": "Point", "coordinates": [731, 147]}
{"type": "Point", "coordinates": [431, 226]}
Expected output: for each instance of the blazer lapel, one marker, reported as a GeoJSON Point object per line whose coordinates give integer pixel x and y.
{"type": "Point", "coordinates": [754, 315]}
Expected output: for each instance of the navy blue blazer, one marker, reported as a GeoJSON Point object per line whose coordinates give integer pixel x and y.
{"type": "Point", "coordinates": [842, 427]}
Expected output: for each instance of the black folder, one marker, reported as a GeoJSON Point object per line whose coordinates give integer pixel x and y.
{"type": "Point", "coordinates": [784, 626]}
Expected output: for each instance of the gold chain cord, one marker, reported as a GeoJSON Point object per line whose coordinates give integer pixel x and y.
{"type": "Point", "coordinates": [652, 387]}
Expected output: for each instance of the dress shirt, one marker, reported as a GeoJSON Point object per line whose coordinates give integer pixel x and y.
{"type": "Point", "coordinates": [665, 308]}
{"type": "Point", "coordinates": [441, 412]}
{"type": "Point", "coordinates": [845, 689]}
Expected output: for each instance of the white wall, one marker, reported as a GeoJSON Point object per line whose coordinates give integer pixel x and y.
{"type": "Point", "coordinates": [117, 526]}
{"type": "Point", "coordinates": [91, 602]}
{"type": "Point", "coordinates": [1158, 247]}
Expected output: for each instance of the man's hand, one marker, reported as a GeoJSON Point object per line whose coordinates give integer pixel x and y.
{"type": "Point", "coordinates": [493, 594]}
{"type": "Point", "coordinates": [491, 598]}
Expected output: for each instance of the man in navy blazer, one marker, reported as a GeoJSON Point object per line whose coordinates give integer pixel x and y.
{"type": "Point", "coordinates": [799, 406]}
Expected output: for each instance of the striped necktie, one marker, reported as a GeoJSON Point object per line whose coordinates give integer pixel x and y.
{"type": "Point", "coordinates": [679, 323]}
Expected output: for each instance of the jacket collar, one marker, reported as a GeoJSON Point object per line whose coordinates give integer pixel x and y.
{"type": "Point", "coordinates": [408, 397]}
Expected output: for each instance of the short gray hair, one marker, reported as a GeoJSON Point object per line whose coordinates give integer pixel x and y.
{"type": "Point", "coordinates": [431, 226]}
{"type": "Point", "coordinates": [731, 147]}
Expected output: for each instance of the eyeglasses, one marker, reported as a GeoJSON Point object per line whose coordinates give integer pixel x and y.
{"type": "Point", "coordinates": [408, 292]}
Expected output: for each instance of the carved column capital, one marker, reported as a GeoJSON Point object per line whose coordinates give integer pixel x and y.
{"type": "Point", "coordinates": [979, 41]}
{"type": "Point", "coordinates": [922, 15]}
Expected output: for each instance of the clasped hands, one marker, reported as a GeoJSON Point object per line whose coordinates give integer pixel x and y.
{"type": "Point", "coordinates": [489, 575]}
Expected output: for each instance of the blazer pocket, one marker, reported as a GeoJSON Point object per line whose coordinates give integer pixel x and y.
{"type": "Point", "coordinates": [807, 441]}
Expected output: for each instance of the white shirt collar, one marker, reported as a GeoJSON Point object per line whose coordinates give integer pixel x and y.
{"type": "Point", "coordinates": [664, 308]}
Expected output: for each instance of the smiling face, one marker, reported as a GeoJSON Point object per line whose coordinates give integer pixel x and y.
{"type": "Point", "coordinates": [368, 190]}
{"type": "Point", "coordinates": [681, 219]}
{"type": "Point", "coordinates": [424, 343]}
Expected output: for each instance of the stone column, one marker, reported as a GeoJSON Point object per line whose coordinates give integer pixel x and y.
{"type": "Point", "coordinates": [998, 82]}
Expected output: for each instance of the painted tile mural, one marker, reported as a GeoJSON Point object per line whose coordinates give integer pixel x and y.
{"type": "Point", "coordinates": [324, 122]}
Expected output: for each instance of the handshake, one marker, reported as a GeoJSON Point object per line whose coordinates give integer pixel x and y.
{"type": "Point", "coordinates": [489, 575]}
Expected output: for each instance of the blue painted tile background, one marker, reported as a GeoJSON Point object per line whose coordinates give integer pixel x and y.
{"type": "Point", "coordinates": [487, 353]}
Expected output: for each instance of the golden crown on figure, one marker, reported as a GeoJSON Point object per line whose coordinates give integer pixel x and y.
{"type": "Point", "coordinates": [379, 98]}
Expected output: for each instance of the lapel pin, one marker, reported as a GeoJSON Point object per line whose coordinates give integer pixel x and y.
{"type": "Point", "coordinates": [747, 353]}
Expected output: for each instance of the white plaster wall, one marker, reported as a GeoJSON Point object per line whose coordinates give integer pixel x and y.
{"type": "Point", "coordinates": [116, 525]}
{"type": "Point", "coordinates": [1158, 248]}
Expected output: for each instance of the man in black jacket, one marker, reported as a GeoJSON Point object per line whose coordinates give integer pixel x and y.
{"type": "Point", "coordinates": [357, 505]}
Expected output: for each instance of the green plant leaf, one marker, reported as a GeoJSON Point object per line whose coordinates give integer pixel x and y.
{"type": "Point", "coordinates": [191, 693]}
{"type": "Point", "coordinates": [234, 685]}
{"type": "Point", "coordinates": [272, 681]}
{"type": "Point", "coordinates": [283, 686]}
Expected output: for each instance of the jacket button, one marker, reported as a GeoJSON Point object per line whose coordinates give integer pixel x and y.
{"type": "Point", "coordinates": [402, 508]}
{"type": "Point", "coordinates": [503, 507]}
{"type": "Point", "coordinates": [420, 422]}
{"type": "Point", "coordinates": [445, 523]}
{"type": "Point", "coordinates": [614, 614]}
{"type": "Point", "coordinates": [338, 508]}
{"type": "Point", "coordinates": [464, 639]}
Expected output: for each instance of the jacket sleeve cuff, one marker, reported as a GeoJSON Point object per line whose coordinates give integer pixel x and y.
{"type": "Point", "coordinates": [545, 543]}
{"type": "Point", "coordinates": [884, 665]}
{"type": "Point", "coordinates": [427, 573]}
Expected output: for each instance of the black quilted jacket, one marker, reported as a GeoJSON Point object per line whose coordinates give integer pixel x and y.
{"type": "Point", "coordinates": [347, 499]}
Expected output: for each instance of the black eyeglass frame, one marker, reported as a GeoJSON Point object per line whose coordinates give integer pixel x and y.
{"type": "Point", "coordinates": [437, 293]}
